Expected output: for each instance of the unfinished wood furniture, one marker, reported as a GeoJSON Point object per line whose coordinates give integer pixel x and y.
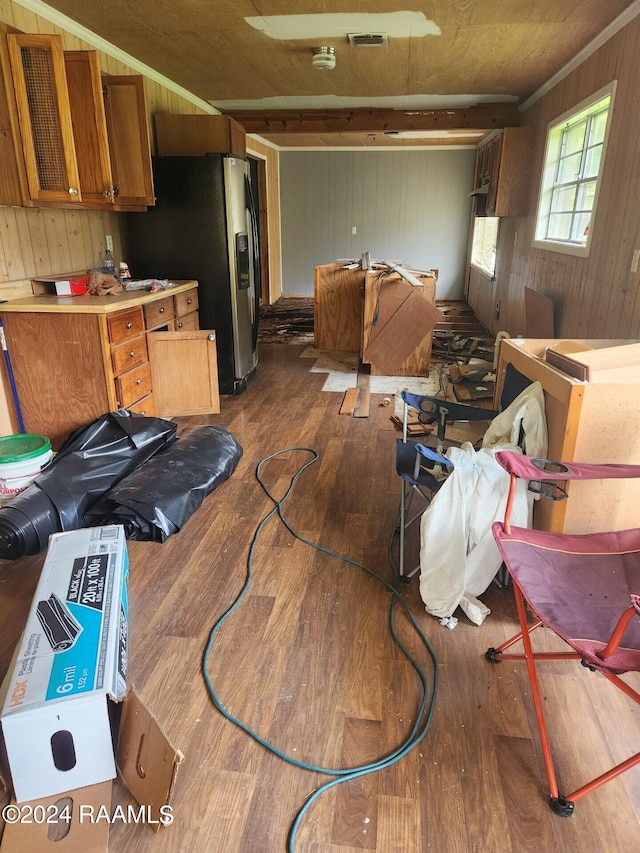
{"type": "Point", "coordinates": [345, 308]}
{"type": "Point", "coordinates": [196, 135]}
{"type": "Point", "coordinates": [76, 357]}
{"type": "Point", "coordinates": [78, 138]}
{"type": "Point", "coordinates": [337, 307]}
{"type": "Point", "coordinates": [502, 173]}
{"type": "Point", "coordinates": [418, 361]}
{"type": "Point", "coordinates": [587, 421]}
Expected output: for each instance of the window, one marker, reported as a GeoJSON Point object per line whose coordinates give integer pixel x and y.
{"type": "Point", "coordinates": [576, 143]}
{"type": "Point", "coordinates": [485, 240]}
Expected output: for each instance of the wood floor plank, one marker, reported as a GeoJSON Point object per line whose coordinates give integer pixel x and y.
{"type": "Point", "coordinates": [349, 401]}
{"type": "Point", "coordinates": [355, 814]}
{"type": "Point", "coordinates": [363, 401]}
{"type": "Point", "coordinates": [399, 825]}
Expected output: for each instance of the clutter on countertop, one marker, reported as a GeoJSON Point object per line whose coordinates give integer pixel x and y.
{"type": "Point", "coordinates": [108, 264]}
{"type": "Point", "coordinates": [150, 284]}
{"type": "Point", "coordinates": [103, 284]}
{"type": "Point", "coordinates": [98, 281]}
{"type": "Point", "coordinates": [65, 284]}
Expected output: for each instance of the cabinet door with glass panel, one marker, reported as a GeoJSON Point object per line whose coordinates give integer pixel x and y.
{"type": "Point", "coordinates": [38, 70]}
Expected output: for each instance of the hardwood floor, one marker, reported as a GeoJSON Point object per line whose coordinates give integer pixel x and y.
{"type": "Point", "coordinates": [307, 661]}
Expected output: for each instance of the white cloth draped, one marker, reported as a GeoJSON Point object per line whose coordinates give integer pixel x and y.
{"type": "Point", "coordinates": [458, 554]}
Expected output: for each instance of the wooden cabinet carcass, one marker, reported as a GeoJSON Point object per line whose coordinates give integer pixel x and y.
{"type": "Point", "coordinates": [76, 357]}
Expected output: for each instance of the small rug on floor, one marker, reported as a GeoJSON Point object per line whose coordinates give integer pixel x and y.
{"type": "Point", "coordinates": [342, 370]}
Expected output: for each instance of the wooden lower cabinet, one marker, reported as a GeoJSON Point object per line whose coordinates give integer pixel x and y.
{"type": "Point", "coordinates": [595, 421]}
{"type": "Point", "coordinates": [346, 303]}
{"type": "Point", "coordinates": [75, 358]}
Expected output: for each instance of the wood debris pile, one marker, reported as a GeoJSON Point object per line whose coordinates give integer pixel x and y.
{"type": "Point", "coordinates": [289, 320]}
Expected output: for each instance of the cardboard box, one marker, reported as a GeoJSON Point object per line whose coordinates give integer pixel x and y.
{"type": "Point", "coordinates": [69, 665]}
{"type": "Point", "coordinates": [68, 675]}
{"type": "Point", "coordinates": [67, 284]}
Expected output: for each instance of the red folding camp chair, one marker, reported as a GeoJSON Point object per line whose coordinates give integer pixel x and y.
{"type": "Point", "coordinates": [584, 587]}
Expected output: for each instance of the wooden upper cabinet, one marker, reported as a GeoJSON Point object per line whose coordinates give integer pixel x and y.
{"type": "Point", "coordinates": [129, 145]}
{"type": "Point", "coordinates": [72, 136]}
{"type": "Point", "coordinates": [13, 176]}
{"type": "Point", "coordinates": [503, 171]}
{"type": "Point", "coordinates": [84, 84]}
{"type": "Point", "coordinates": [44, 112]}
{"type": "Point", "coordinates": [194, 135]}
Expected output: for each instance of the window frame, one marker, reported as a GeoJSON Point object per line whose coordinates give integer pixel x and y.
{"type": "Point", "coordinates": [481, 221]}
{"type": "Point", "coordinates": [555, 130]}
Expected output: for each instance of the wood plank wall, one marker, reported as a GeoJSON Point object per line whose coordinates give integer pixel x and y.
{"type": "Point", "coordinates": [411, 206]}
{"type": "Point", "coordinates": [597, 296]}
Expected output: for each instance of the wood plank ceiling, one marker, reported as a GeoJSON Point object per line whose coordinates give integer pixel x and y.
{"type": "Point", "coordinates": [458, 69]}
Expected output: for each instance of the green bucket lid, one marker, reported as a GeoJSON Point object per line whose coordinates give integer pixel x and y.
{"type": "Point", "coordinates": [19, 448]}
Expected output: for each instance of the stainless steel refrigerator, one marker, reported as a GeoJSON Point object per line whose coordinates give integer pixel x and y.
{"type": "Point", "coordinates": [204, 227]}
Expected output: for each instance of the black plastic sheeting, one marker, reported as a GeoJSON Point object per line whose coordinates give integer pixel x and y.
{"type": "Point", "coordinates": [157, 499]}
{"type": "Point", "coordinates": [89, 463]}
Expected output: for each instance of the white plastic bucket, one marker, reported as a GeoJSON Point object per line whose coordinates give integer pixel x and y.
{"type": "Point", "coordinates": [22, 458]}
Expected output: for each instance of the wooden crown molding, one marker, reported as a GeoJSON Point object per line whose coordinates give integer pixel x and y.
{"type": "Point", "coordinates": [484, 117]}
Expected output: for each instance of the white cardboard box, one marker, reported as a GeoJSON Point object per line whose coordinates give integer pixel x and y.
{"type": "Point", "coordinates": [70, 663]}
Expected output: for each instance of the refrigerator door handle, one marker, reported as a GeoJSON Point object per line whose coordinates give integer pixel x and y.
{"type": "Point", "coordinates": [255, 239]}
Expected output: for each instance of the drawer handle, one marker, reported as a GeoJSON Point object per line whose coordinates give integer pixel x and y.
{"type": "Point", "coordinates": [211, 337]}
{"type": "Point", "coordinates": [132, 353]}
{"type": "Point", "coordinates": [162, 310]}
{"type": "Point", "coordinates": [138, 381]}
{"type": "Point", "coordinates": [129, 325]}
{"type": "Point", "coordinates": [189, 301]}
{"type": "Point", "coordinates": [179, 325]}
{"type": "Point", "coordinates": [143, 412]}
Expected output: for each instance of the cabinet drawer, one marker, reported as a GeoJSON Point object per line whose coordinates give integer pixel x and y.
{"type": "Point", "coordinates": [133, 385]}
{"type": "Point", "coordinates": [128, 355]}
{"type": "Point", "coordinates": [158, 313]}
{"type": "Point", "coordinates": [144, 407]}
{"type": "Point", "coordinates": [187, 322]}
{"type": "Point", "coordinates": [125, 324]}
{"type": "Point", "coordinates": [186, 302]}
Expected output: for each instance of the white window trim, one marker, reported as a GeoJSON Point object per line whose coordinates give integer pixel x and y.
{"type": "Point", "coordinates": [552, 245]}
{"type": "Point", "coordinates": [490, 274]}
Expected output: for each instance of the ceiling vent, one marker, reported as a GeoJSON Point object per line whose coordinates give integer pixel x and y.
{"type": "Point", "coordinates": [368, 39]}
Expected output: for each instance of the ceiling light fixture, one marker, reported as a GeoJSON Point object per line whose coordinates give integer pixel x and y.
{"type": "Point", "coordinates": [324, 58]}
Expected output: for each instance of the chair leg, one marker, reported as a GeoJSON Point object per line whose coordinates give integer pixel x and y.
{"type": "Point", "coordinates": [406, 497]}
{"type": "Point", "coordinates": [558, 803]}
{"type": "Point", "coordinates": [562, 805]}
{"type": "Point", "coordinates": [501, 579]}
{"type": "Point", "coordinates": [403, 511]}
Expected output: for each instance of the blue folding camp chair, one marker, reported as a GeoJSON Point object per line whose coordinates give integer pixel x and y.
{"type": "Point", "coordinates": [421, 468]}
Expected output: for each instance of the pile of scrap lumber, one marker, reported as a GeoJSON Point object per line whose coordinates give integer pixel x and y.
{"type": "Point", "coordinates": [459, 335]}
{"type": "Point", "coordinates": [289, 319]}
